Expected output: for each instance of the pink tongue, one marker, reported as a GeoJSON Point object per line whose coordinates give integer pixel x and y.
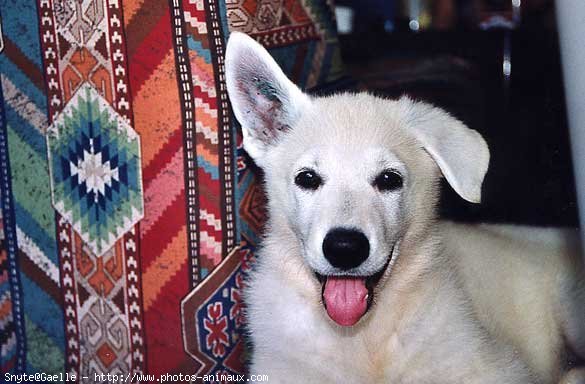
{"type": "Point", "coordinates": [346, 299]}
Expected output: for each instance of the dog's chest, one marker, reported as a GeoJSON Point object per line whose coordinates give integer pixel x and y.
{"type": "Point", "coordinates": [314, 351]}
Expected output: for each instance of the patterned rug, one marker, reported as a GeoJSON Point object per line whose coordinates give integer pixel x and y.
{"type": "Point", "coordinates": [129, 211]}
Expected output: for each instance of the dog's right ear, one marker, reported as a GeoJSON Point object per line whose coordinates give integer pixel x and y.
{"type": "Point", "coordinates": [264, 100]}
{"type": "Point", "coordinates": [461, 153]}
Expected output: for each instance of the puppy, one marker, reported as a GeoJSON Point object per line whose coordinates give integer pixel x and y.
{"type": "Point", "coordinates": [357, 281]}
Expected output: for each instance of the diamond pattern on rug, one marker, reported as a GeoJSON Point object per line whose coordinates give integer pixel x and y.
{"type": "Point", "coordinates": [274, 23]}
{"type": "Point", "coordinates": [94, 159]}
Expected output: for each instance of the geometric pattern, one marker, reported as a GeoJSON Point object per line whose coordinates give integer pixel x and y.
{"type": "Point", "coordinates": [214, 314]}
{"type": "Point", "coordinates": [128, 305]}
{"type": "Point", "coordinates": [163, 259]}
{"type": "Point", "coordinates": [84, 46]}
{"type": "Point", "coordinates": [123, 182]}
{"type": "Point", "coordinates": [12, 352]}
{"type": "Point", "coordinates": [215, 234]}
{"type": "Point", "coordinates": [101, 298]}
{"type": "Point", "coordinates": [94, 158]}
{"type": "Point", "coordinates": [272, 23]}
{"type": "Point", "coordinates": [36, 343]}
{"type": "Point", "coordinates": [189, 145]}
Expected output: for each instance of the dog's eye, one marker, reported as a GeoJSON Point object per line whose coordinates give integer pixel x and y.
{"type": "Point", "coordinates": [388, 181]}
{"type": "Point", "coordinates": [308, 180]}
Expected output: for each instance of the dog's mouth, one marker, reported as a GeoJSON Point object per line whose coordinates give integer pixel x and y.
{"type": "Point", "coordinates": [348, 298]}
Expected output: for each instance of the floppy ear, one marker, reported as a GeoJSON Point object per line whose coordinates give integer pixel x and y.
{"type": "Point", "coordinates": [461, 153]}
{"type": "Point", "coordinates": [264, 100]}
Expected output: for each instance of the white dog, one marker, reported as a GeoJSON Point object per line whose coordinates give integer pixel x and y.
{"type": "Point", "coordinates": [357, 280]}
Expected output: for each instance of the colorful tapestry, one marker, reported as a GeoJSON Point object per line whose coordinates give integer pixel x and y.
{"type": "Point", "coordinates": [129, 212]}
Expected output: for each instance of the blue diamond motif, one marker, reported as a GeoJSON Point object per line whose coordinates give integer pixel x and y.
{"type": "Point", "coordinates": [95, 166]}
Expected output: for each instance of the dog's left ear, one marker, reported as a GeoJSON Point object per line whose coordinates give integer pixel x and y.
{"type": "Point", "coordinates": [264, 100]}
{"type": "Point", "coordinates": [461, 153]}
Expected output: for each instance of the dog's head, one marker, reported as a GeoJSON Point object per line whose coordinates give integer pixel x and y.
{"type": "Point", "coordinates": [352, 176]}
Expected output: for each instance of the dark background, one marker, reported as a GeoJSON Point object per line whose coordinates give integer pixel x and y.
{"type": "Point", "coordinates": [458, 65]}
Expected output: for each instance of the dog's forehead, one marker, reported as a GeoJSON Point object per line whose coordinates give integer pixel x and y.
{"type": "Point", "coordinates": [358, 119]}
{"type": "Point", "coordinates": [354, 129]}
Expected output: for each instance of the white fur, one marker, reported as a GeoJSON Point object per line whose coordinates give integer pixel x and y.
{"type": "Point", "coordinates": [456, 304]}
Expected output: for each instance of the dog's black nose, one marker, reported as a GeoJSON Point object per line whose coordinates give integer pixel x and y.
{"type": "Point", "coordinates": [346, 248]}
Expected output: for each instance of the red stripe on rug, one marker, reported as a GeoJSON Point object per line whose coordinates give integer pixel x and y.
{"type": "Point", "coordinates": [162, 191]}
{"type": "Point", "coordinates": [28, 68]}
{"type": "Point", "coordinates": [163, 157]}
{"type": "Point", "coordinates": [212, 188]}
{"type": "Point", "coordinates": [156, 239]}
{"type": "Point", "coordinates": [163, 325]}
{"type": "Point", "coordinates": [140, 16]}
{"type": "Point", "coordinates": [150, 53]}
{"type": "Point", "coordinates": [157, 110]}
{"type": "Point", "coordinates": [199, 92]}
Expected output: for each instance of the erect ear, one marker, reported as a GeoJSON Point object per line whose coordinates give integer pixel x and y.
{"type": "Point", "coordinates": [264, 100]}
{"type": "Point", "coordinates": [461, 153]}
